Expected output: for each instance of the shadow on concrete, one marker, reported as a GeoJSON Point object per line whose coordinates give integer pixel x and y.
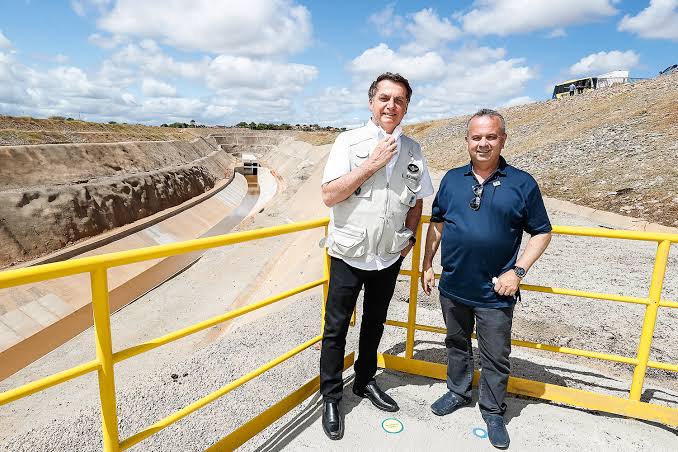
{"type": "Point", "coordinates": [519, 368]}
{"type": "Point", "coordinates": [390, 379]}
{"type": "Point", "coordinates": [309, 415]}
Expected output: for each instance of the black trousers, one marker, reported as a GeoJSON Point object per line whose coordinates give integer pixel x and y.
{"type": "Point", "coordinates": [494, 343]}
{"type": "Point", "coordinates": [345, 285]}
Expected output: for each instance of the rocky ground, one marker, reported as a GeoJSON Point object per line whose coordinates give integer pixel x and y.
{"type": "Point", "coordinates": [67, 418]}
{"type": "Point", "coordinates": [613, 149]}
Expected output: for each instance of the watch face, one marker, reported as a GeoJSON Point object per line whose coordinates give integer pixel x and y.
{"type": "Point", "coordinates": [519, 271]}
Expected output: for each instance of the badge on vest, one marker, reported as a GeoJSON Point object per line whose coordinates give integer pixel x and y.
{"type": "Point", "coordinates": [496, 183]}
{"type": "Point", "coordinates": [413, 174]}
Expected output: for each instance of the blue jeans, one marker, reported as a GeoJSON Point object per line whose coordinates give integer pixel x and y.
{"type": "Point", "coordinates": [494, 343]}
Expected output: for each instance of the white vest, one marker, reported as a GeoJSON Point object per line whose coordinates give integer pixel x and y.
{"type": "Point", "coordinates": [371, 221]}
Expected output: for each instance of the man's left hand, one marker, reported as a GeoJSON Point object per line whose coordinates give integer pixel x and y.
{"type": "Point", "coordinates": [507, 284]}
{"type": "Point", "coordinates": [406, 250]}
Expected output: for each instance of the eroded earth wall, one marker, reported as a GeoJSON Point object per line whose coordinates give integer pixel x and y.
{"type": "Point", "coordinates": [54, 195]}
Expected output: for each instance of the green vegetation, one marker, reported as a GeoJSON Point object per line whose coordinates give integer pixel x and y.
{"type": "Point", "coordinates": [285, 126]}
{"type": "Point", "coordinates": [183, 125]}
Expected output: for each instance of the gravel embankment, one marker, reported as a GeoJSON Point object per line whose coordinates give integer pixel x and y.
{"type": "Point", "coordinates": [570, 262]}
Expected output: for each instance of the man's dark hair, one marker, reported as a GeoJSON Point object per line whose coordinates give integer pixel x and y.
{"type": "Point", "coordinates": [395, 78]}
{"type": "Point", "coordinates": [488, 112]}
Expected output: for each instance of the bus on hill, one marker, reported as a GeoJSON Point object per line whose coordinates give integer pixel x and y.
{"type": "Point", "coordinates": [581, 85]}
{"type": "Point", "coordinates": [587, 83]}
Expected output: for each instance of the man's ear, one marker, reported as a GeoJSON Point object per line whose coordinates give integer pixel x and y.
{"type": "Point", "coordinates": [370, 106]}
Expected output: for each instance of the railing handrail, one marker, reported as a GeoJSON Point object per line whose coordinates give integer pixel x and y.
{"type": "Point", "coordinates": [20, 276]}
{"type": "Point", "coordinates": [97, 266]}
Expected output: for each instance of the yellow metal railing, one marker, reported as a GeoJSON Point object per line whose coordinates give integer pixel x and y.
{"type": "Point", "coordinates": [104, 363]}
{"type": "Point", "coordinates": [630, 407]}
{"type": "Point", "coordinates": [105, 358]}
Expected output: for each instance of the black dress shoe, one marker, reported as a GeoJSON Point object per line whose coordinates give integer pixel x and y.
{"type": "Point", "coordinates": [378, 397]}
{"type": "Point", "coordinates": [333, 424]}
{"type": "Point", "coordinates": [496, 430]}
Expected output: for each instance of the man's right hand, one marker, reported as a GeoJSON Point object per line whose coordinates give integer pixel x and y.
{"type": "Point", "coordinates": [428, 280]}
{"type": "Point", "coordinates": [383, 152]}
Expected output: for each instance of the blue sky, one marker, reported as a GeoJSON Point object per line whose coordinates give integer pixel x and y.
{"type": "Point", "coordinates": [221, 62]}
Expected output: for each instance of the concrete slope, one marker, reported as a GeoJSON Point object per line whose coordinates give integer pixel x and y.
{"type": "Point", "coordinates": [39, 317]}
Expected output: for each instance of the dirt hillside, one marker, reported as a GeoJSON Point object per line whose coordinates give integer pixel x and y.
{"type": "Point", "coordinates": [614, 149]}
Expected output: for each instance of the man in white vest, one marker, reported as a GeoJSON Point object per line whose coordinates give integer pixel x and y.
{"type": "Point", "coordinates": [374, 181]}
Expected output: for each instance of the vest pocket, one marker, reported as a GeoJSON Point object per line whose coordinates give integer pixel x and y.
{"type": "Point", "coordinates": [358, 157]}
{"type": "Point", "coordinates": [408, 196]}
{"type": "Point", "coordinates": [348, 240]}
{"type": "Point", "coordinates": [401, 239]}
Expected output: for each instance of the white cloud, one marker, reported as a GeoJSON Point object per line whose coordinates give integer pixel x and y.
{"type": "Point", "coordinates": [155, 88]}
{"type": "Point", "coordinates": [151, 60]}
{"type": "Point", "coordinates": [78, 7]}
{"type": "Point", "coordinates": [386, 21]}
{"type": "Point", "coordinates": [4, 42]}
{"type": "Point", "coordinates": [505, 17]}
{"type": "Point", "coordinates": [522, 100]}
{"type": "Point", "coordinates": [472, 77]}
{"type": "Point", "coordinates": [374, 61]}
{"type": "Point", "coordinates": [429, 31]}
{"type": "Point", "coordinates": [557, 33]}
{"type": "Point", "coordinates": [227, 71]}
{"type": "Point", "coordinates": [69, 91]}
{"type": "Point", "coordinates": [333, 104]}
{"type": "Point", "coordinates": [242, 27]}
{"type": "Point", "coordinates": [598, 63]}
{"type": "Point", "coordinates": [106, 42]}
{"type": "Point", "coordinates": [218, 111]}
{"type": "Point", "coordinates": [658, 21]}
{"type": "Point", "coordinates": [474, 56]}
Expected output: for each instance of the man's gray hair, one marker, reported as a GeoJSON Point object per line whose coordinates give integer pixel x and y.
{"type": "Point", "coordinates": [488, 112]}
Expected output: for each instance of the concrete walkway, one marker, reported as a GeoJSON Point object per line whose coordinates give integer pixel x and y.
{"type": "Point", "coordinates": [533, 425]}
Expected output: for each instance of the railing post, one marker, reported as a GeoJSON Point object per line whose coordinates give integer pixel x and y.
{"type": "Point", "coordinates": [645, 343]}
{"type": "Point", "coordinates": [414, 291]}
{"type": "Point", "coordinates": [102, 330]}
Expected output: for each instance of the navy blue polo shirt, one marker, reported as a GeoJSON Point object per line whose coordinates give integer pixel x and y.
{"type": "Point", "coordinates": [478, 245]}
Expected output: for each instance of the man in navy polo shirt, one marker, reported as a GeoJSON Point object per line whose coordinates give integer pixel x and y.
{"type": "Point", "coordinates": [479, 214]}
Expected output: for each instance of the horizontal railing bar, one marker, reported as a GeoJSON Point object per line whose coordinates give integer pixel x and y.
{"type": "Point", "coordinates": [663, 366]}
{"type": "Point", "coordinates": [615, 233]}
{"type": "Point", "coordinates": [575, 351]}
{"type": "Point", "coordinates": [17, 277]}
{"type": "Point", "coordinates": [603, 232]}
{"type": "Point", "coordinates": [178, 334]}
{"type": "Point", "coordinates": [584, 294]}
{"type": "Point", "coordinates": [249, 429]}
{"type": "Point", "coordinates": [417, 326]}
{"type": "Point", "coordinates": [593, 295]}
{"type": "Point", "coordinates": [534, 345]}
{"type": "Point", "coordinates": [561, 394]}
{"type": "Point", "coordinates": [48, 382]}
{"type": "Point", "coordinates": [172, 418]}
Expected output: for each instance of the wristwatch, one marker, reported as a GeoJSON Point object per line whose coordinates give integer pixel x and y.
{"type": "Point", "coordinates": [413, 240]}
{"type": "Point", "coordinates": [519, 271]}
